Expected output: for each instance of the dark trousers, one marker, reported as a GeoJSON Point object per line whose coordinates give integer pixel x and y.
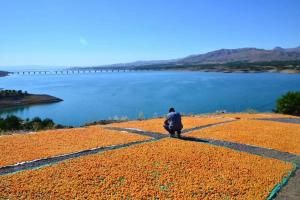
{"type": "Point", "coordinates": [171, 131]}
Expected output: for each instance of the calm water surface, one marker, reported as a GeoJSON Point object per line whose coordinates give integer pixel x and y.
{"type": "Point", "coordinates": [90, 97]}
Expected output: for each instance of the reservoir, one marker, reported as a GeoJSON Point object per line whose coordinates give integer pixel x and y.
{"type": "Point", "coordinates": [95, 96]}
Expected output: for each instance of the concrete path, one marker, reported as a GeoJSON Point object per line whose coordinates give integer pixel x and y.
{"type": "Point", "coordinates": [261, 151]}
{"type": "Point", "coordinates": [189, 130]}
{"type": "Point", "coordinates": [292, 190]}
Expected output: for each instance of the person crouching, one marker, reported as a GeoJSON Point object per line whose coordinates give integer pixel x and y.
{"type": "Point", "coordinates": [173, 123]}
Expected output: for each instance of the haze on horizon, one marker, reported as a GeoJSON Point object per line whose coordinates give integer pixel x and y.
{"type": "Point", "coordinates": [91, 32]}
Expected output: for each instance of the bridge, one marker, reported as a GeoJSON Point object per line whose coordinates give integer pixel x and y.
{"type": "Point", "coordinates": [70, 71]}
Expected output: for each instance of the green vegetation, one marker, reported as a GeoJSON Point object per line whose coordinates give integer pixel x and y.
{"type": "Point", "coordinates": [14, 123]}
{"type": "Point", "coordinates": [289, 103]}
{"type": "Point", "coordinates": [13, 93]}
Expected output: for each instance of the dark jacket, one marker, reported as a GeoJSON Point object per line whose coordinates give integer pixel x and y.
{"type": "Point", "coordinates": [174, 121]}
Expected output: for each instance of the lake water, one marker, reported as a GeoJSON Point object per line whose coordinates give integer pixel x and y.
{"type": "Point", "coordinates": [90, 97]}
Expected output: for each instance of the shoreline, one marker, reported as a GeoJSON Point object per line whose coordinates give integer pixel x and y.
{"type": "Point", "coordinates": [226, 70]}
{"type": "Point", "coordinates": [31, 99]}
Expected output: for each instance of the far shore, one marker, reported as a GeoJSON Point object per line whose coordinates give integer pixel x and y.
{"type": "Point", "coordinates": [287, 71]}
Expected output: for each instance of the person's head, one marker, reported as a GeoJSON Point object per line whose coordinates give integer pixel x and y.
{"type": "Point", "coordinates": [171, 110]}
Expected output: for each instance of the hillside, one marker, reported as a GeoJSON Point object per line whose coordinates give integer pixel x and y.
{"type": "Point", "coordinates": [222, 56]}
{"type": "Point", "coordinates": [225, 60]}
{"type": "Point", "coordinates": [243, 55]}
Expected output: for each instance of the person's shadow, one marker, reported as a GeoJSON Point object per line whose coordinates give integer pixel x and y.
{"type": "Point", "coordinates": [193, 139]}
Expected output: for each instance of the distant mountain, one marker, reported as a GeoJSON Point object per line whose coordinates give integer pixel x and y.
{"type": "Point", "coordinates": [297, 49]}
{"type": "Point", "coordinates": [222, 56]}
{"type": "Point", "coordinates": [243, 55]}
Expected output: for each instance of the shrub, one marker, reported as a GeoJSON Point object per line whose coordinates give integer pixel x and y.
{"type": "Point", "coordinates": [289, 103]}
{"type": "Point", "coordinates": [13, 123]}
{"type": "Point", "coordinates": [37, 120]}
{"type": "Point", "coordinates": [12, 93]}
{"type": "Point", "coordinates": [47, 123]}
{"type": "Point", "coordinates": [2, 124]}
{"type": "Point", "coordinates": [36, 126]}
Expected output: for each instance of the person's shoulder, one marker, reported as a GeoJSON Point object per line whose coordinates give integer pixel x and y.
{"type": "Point", "coordinates": [169, 114]}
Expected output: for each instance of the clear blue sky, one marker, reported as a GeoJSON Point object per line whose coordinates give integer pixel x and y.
{"type": "Point", "coordinates": [94, 32]}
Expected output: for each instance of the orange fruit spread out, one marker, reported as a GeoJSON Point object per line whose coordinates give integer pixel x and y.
{"type": "Point", "coordinates": [156, 125]}
{"type": "Point", "coordinates": [19, 148]}
{"type": "Point", "coordinates": [255, 115]}
{"type": "Point", "coordinates": [276, 135]}
{"type": "Point", "coordinates": [167, 169]}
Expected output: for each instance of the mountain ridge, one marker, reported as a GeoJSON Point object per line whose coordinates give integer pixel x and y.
{"type": "Point", "coordinates": [246, 60]}
{"type": "Point", "coordinates": [222, 56]}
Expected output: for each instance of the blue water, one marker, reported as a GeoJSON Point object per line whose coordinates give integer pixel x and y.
{"type": "Point", "coordinates": [90, 97]}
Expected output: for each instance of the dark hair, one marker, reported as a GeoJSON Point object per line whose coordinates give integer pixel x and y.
{"type": "Point", "coordinates": [171, 110]}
